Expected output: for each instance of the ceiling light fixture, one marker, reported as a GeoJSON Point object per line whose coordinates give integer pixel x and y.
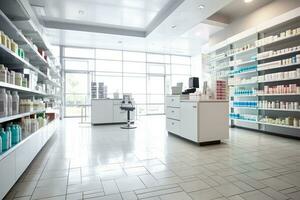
{"type": "Point", "coordinates": [80, 12]}
{"type": "Point", "coordinates": [173, 26]}
{"type": "Point", "coordinates": [248, 1]}
{"type": "Point", "coordinates": [201, 6]}
{"type": "Point", "coordinates": [120, 42]}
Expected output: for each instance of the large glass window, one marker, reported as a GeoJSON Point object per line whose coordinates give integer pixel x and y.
{"type": "Point", "coordinates": [147, 76]}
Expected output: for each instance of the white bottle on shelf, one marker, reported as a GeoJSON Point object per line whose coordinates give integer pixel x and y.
{"type": "Point", "coordinates": [9, 103]}
{"type": "Point", "coordinates": [15, 103]}
{"type": "Point", "coordinates": [3, 103]}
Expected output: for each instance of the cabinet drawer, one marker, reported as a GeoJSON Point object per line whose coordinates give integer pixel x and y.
{"type": "Point", "coordinates": [173, 113]}
{"type": "Point", "coordinates": [173, 101]}
{"type": "Point", "coordinates": [173, 126]}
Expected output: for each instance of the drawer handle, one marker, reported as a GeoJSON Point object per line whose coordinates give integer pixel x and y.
{"type": "Point", "coordinates": [172, 99]}
{"type": "Point", "coordinates": [172, 111]}
{"type": "Point", "coordinates": [172, 123]}
{"type": "Point", "coordinates": [194, 107]}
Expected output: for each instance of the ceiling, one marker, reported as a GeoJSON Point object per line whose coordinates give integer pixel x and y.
{"type": "Point", "coordinates": [237, 9]}
{"type": "Point", "coordinates": [162, 26]}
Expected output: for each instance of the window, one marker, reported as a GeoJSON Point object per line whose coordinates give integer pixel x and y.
{"type": "Point", "coordinates": [79, 52]}
{"type": "Point", "coordinates": [113, 83]}
{"type": "Point", "coordinates": [134, 56]}
{"type": "Point", "coordinates": [156, 68]}
{"type": "Point", "coordinates": [78, 64]}
{"type": "Point", "coordinates": [183, 60]}
{"type": "Point", "coordinates": [108, 54]}
{"type": "Point", "coordinates": [134, 67]}
{"type": "Point", "coordinates": [134, 84]}
{"type": "Point", "coordinates": [147, 76]}
{"type": "Point", "coordinates": [108, 66]}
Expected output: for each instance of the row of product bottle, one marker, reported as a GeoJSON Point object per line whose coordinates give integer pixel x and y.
{"type": "Point", "coordinates": [280, 76]}
{"type": "Point", "coordinates": [28, 105]}
{"type": "Point", "coordinates": [280, 63]}
{"type": "Point", "coordinates": [239, 80]}
{"type": "Point", "coordinates": [243, 70]}
{"type": "Point", "coordinates": [13, 77]}
{"type": "Point", "coordinates": [280, 36]}
{"type": "Point", "coordinates": [287, 121]}
{"type": "Point", "coordinates": [280, 89]}
{"type": "Point", "coordinates": [240, 61]}
{"type": "Point", "coordinates": [9, 103]}
{"type": "Point", "coordinates": [10, 136]}
{"type": "Point", "coordinates": [250, 104]}
{"type": "Point", "coordinates": [31, 125]}
{"type": "Point", "coordinates": [279, 105]}
{"type": "Point", "coordinates": [11, 45]}
{"type": "Point", "coordinates": [243, 116]}
{"type": "Point", "coordinates": [244, 92]}
{"type": "Point", "coordinates": [272, 53]}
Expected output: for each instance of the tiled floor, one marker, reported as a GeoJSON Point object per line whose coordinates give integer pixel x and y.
{"type": "Point", "coordinates": [109, 163]}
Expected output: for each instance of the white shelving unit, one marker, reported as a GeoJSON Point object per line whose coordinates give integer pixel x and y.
{"type": "Point", "coordinates": [13, 162]}
{"type": "Point", "coordinates": [248, 57]}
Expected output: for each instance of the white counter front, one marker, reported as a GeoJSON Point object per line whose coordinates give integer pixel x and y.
{"type": "Point", "coordinates": [107, 111]}
{"type": "Point", "coordinates": [200, 121]}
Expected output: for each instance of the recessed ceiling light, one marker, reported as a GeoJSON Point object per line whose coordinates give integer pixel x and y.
{"type": "Point", "coordinates": [80, 12]}
{"type": "Point", "coordinates": [248, 1]}
{"type": "Point", "coordinates": [201, 6]}
{"type": "Point", "coordinates": [173, 26]}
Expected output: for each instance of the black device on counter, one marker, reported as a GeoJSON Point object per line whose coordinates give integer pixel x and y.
{"type": "Point", "coordinates": [193, 84]}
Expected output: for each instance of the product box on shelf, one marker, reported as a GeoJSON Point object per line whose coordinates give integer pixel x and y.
{"type": "Point", "coordinates": [32, 78]}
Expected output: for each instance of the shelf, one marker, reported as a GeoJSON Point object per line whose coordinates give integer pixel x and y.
{"type": "Point", "coordinates": [246, 108]}
{"type": "Point", "coordinates": [12, 58]}
{"type": "Point", "coordinates": [279, 40]}
{"type": "Point", "coordinates": [244, 120]}
{"type": "Point", "coordinates": [287, 94]}
{"type": "Point", "coordinates": [278, 55]}
{"type": "Point", "coordinates": [218, 59]}
{"type": "Point", "coordinates": [277, 67]}
{"type": "Point", "coordinates": [243, 63]}
{"type": "Point", "coordinates": [244, 95]}
{"type": "Point", "coordinates": [242, 52]}
{"type": "Point", "coordinates": [278, 109]}
{"type": "Point", "coordinates": [288, 79]}
{"type": "Point", "coordinates": [243, 73]}
{"type": "Point", "coordinates": [252, 83]}
{"type": "Point", "coordinates": [13, 117]}
{"type": "Point", "coordinates": [278, 125]}
{"type": "Point", "coordinates": [20, 88]}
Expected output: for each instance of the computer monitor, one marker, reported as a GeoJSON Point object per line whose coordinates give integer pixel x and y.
{"type": "Point", "coordinates": [193, 82]}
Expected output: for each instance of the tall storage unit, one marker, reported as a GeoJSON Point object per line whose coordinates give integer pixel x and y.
{"type": "Point", "coordinates": [261, 66]}
{"type": "Point", "coordinates": [29, 68]}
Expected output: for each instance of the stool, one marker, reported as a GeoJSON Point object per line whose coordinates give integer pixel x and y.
{"type": "Point", "coordinates": [128, 109]}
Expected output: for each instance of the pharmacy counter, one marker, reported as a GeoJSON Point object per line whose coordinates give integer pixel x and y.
{"type": "Point", "coordinates": [107, 111]}
{"type": "Point", "coordinates": [201, 121]}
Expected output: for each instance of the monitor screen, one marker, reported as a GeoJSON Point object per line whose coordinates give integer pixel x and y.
{"type": "Point", "coordinates": [194, 82]}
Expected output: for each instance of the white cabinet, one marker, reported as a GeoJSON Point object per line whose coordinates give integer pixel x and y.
{"type": "Point", "coordinates": [107, 111]}
{"type": "Point", "coordinates": [102, 111]}
{"type": "Point", "coordinates": [173, 126]}
{"type": "Point", "coordinates": [195, 120]}
{"type": "Point", "coordinates": [7, 173]}
{"type": "Point", "coordinates": [173, 101]}
{"type": "Point", "coordinates": [173, 113]}
{"type": "Point", "coordinates": [15, 161]}
{"type": "Point", "coordinates": [188, 120]}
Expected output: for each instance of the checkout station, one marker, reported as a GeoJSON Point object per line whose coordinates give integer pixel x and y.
{"type": "Point", "coordinates": [201, 118]}
{"type": "Point", "coordinates": [111, 111]}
